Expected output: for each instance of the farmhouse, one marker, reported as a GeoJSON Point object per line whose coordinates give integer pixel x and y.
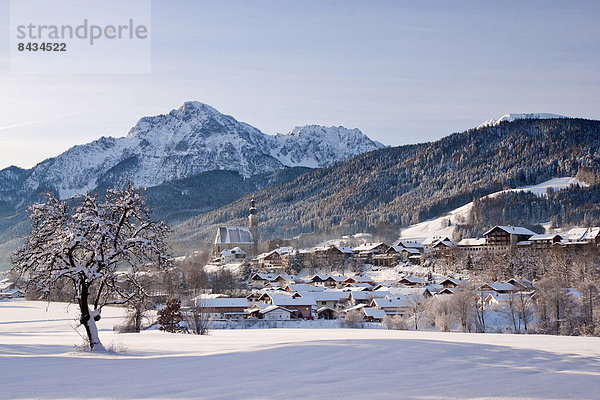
{"type": "Point", "coordinates": [223, 308]}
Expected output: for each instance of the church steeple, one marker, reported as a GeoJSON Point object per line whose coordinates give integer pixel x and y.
{"type": "Point", "coordinates": [253, 224]}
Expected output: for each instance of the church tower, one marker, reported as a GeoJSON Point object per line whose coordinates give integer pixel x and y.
{"type": "Point", "coordinates": [253, 225]}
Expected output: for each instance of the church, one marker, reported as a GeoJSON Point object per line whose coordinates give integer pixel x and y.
{"type": "Point", "coordinates": [239, 237]}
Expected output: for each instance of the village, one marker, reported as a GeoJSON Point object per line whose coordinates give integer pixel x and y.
{"type": "Point", "coordinates": [373, 282]}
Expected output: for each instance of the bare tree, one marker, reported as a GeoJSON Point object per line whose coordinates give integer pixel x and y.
{"type": "Point", "coordinates": [463, 304]}
{"type": "Point", "coordinates": [416, 308]}
{"type": "Point", "coordinates": [441, 312]}
{"type": "Point", "coordinates": [511, 309]}
{"type": "Point", "coordinates": [525, 309]}
{"type": "Point", "coordinates": [354, 319]}
{"type": "Point", "coordinates": [197, 320]}
{"type": "Point", "coordinates": [86, 245]}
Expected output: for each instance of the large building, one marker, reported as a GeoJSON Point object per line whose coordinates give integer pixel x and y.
{"type": "Point", "coordinates": [230, 237]}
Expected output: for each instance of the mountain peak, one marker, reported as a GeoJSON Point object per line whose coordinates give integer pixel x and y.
{"type": "Point", "coordinates": [317, 146]}
{"type": "Point", "coordinates": [515, 116]}
{"type": "Point", "coordinates": [191, 107]}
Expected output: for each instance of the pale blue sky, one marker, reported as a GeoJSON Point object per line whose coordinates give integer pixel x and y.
{"type": "Point", "coordinates": [402, 72]}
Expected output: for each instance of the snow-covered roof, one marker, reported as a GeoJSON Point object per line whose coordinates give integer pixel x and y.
{"type": "Point", "coordinates": [373, 312]}
{"type": "Point", "coordinates": [402, 301]}
{"type": "Point", "coordinates": [502, 286]}
{"type": "Point", "coordinates": [234, 235]}
{"type": "Point", "coordinates": [414, 279]}
{"type": "Point", "coordinates": [286, 277]}
{"type": "Point", "coordinates": [326, 295]}
{"type": "Point", "coordinates": [513, 230]}
{"type": "Point", "coordinates": [472, 242]}
{"type": "Point", "coordinates": [582, 234]}
{"type": "Point", "coordinates": [286, 300]}
{"type": "Point", "coordinates": [400, 249]}
{"type": "Point", "coordinates": [526, 283]}
{"type": "Point", "coordinates": [447, 243]}
{"type": "Point", "coordinates": [368, 295]}
{"type": "Point", "coordinates": [367, 247]}
{"type": "Point", "coordinates": [356, 307]}
{"type": "Point", "coordinates": [303, 287]}
{"type": "Point", "coordinates": [324, 277]}
{"type": "Point", "coordinates": [410, 244]}
{"type": "Point", "coordinates": [451, 280]}
{"type": "Point", "coordinates": [236, 302]}
{"type": "Point", "coordinates": [262, 276]}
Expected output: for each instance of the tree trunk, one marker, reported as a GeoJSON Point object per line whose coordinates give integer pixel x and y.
{"type": "Point", "coordinates": [88, 320]}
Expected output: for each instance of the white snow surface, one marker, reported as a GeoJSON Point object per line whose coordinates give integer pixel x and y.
{"type": "Point", "coordinates": [438, 228]}
{"type": "Point", "coordinates": [38, 360]}
{"type": "Point", "coordinates": [515, 116]}
{"type": "Point", "coordinates": [187, 141]}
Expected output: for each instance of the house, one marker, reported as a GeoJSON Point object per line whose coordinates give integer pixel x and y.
{"type": "Point", "coordinates": [584, 235]}
{"type": "Point", "coordinates": [276, 313]}
{"type": "Point", "coordinates": [442, 248]}
{"type": "Point", "coordinates": [327, 256]}
{"type": "Point", "coordinates": [359, 280]}
{"type": "Point", "coordinates": [499, 287]}
{"type": "Point", "coordinates": [368, 250]}
{"type": "Point", "coordinates": [373, 314]}
{"type": "Point", "coordinates": [269, 261]}
{"type": "Point", "coordinates": [285, 279]}
{"type": "Point", "coordinates": [233, 255]}
{"type": "Point", "coordinates": [497, 299]}
{"type": "Point", "coordinates": [328, 280]}
{"type": "Point", "coordinates": [450, 282]}
{"type": "Point", "coordinates": [471, 245]}
{"type": "Point", "coordinates": [263, 279]}
{"type": "Point", "coordinates": [303, 305]}
{"type": "Point", "coordinates": [504, 238]}
{"type": "Point", "coordinates": [11, 294]}
{"type": "Point", "coordinates": [395, 254]}
{"type": "Point", "coordinates": [417, 293]}
{"type": "Point", "coordinates": [412, 281]}
{"type": "Point", "coordinates": [366, 296]}
{"type": "Point", "coordinates": [405, 251]}
{"type": "Point", "coordinates": [326, 298]}
{"type": "Point", "coordinates": [522, 284]}
{"type": "Point", "coordinates": [544, 242]}
{"type": "Point", "coordinates": [410, 244]}
{"type": "Point", "coordinates": [326, 313]}
{"type": "Point", "coordinates": [394, 306]}
{"type": "Point", "coordinates": [223, 308]}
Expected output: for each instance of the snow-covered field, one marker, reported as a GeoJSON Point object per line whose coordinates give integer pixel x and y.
{"type": "Point", "coordinates": [38, 360]}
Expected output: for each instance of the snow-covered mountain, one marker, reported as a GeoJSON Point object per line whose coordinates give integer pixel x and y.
{"type": "Point", "coordinates": [513, 117]}
{"type": "Point", "coordinates": [189, 140]}
{"type": "Point", "coordinates": [317, 146]}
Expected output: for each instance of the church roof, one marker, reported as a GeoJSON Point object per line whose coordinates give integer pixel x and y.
{"type": "Point", "coordinates": [234, 235]}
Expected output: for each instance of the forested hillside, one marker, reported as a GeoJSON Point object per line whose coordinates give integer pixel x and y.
{"type": "Point", "coordinates": [404, 185]}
